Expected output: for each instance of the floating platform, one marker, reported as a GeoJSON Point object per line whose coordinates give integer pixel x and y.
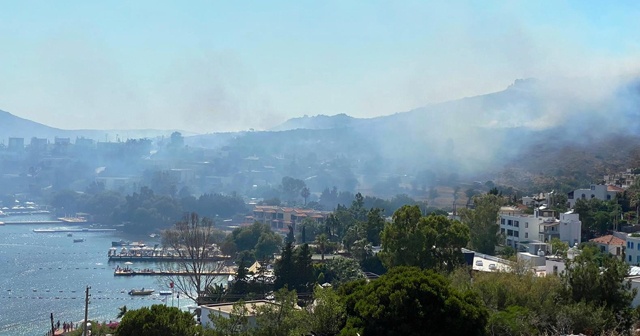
{"type": "Point", "coordinates": [33, 222]}
{"type": "Point", "coordinates": [166, 273]}
{"type": "Point", "coordinates": [71, 230]}
{"type": "Point", "coordinates": [117, 258]}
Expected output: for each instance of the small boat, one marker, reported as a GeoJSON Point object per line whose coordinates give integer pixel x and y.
{"type": "Point", "coordinates": [119, 243]}
{"type": "Point", "coordinates": [141, 291]}
{"type": "Point", "coordinates": [79, 240]}
{"type": "Point", "coordinates": [165, 292]}
{"type": "Point", "coordinates": [69, 234]}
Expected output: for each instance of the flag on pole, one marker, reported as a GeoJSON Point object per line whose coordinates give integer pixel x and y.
{"type": "Point", "coordinates": [171, 284]}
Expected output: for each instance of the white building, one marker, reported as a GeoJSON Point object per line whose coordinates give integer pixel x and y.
{"type": "Point", "coordinates": [610, 244]}
{"type": "Point", "coordinates": [542, 226]}
{"type": "Point", "coordinates": [599, 191]}
{"type": "Point", "coordinates": [632, 251]}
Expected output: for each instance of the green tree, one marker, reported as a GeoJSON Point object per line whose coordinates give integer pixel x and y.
{"type": "Point", "coordinates": [305, 193]}
{"type": "Point", "coordinates": [304, 277]}
{"type": "Point", "coordinates": [483, 223]}
{"type": "Point", "coordinates": [157, 320]}
{"type": "Point", "coordinates": [558, 247]}
{"type": "Point", "coordinates": [284, 268]}
{"type": "Point", "coordinates": [410, 301]}
{"type": "Point", "coordinates": [282, 318]}
{"type": "Point", "coordinates": [600, 280]}
{"type": "Point", "coordinates": [236, 324]}
{"type": "Point", "coordinates": [322, 241]}
{"type": "Point", "coordinates": [327, 314]}
{"type": "Point", "coordinates": [426, 242]}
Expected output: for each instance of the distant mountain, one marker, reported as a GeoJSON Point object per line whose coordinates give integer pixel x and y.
{"type": "Point", "coordinates": [316, 122]}
{"type": "Point", "coordinates": [529, 129]}
{"type": "Point", "coordinates": [14, 126]}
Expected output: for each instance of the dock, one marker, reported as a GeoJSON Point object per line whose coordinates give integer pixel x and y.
{"type": "Point", "coordinates": [33, 222]}
{"type": "Point", "coordinates": [159, 258]}
{"type": "Point", "coordinates": [130, 272]}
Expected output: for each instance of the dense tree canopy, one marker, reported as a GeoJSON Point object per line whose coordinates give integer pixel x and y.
{"type": "Point", "coordinates": [483, 223]}
{"type": "Point", "coordinates": [410, 301]}
{"type": "Point", "coordinates": [426, 242]}
{"type": "Point", "coordinates": [157, 320]}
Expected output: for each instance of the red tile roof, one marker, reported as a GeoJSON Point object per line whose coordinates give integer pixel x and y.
{"type": "Point", "coordinates": [614, 188]}
{"type": "Point", "coordinates": [608, 240]}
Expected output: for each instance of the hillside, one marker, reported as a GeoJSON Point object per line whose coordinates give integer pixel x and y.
{"type": "Point", "coordinates": [14, 126]}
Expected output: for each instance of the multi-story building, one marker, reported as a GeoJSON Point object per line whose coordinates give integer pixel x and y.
{"type": "Point", "coordinates": [632, 250]}
{"type": "Point", "coordinates": [600, 191]}
{"type": "Point", "coordinates": [541, 227]}
{"type": "Point", "coordinates": [280, 217]}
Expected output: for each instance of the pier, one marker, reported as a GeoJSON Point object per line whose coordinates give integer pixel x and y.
{"type": "Point", "coordinates": [130, 272]}
{"type": "Point", "coordinates": [34, 222]}
{"type": "Point", "coordinates": [160, 258]}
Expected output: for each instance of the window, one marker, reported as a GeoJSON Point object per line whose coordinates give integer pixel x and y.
{"type": "Point", "coordinates": [516, 233]}
{"type": "Point", "coordinates": [584, 196]}
{"type": "Point", "coordinates": [593, 196]}
{"type": "Point", "coordinates": [510, 233]}
{"type": "Point", "coordinates": [638, 259]}
{"type": "Point", "coordinates": [628, 245]}
{"type": "Point", "coordinates": [601, 248]}
{"type": "Point", "coordinates": [608, 197]}
{"type": "Point", "coordinates": [555, 270]}
{"type": "Point", "coordinates": [629, 258]}
{"type": "Point", "coordinates": [526, 234]}
{"type": "Point", "coordinates": [510, 222]}
{"type": "Point", "coordinates": [631, 247]}
{"type": "Point", "coordinates": [526, 225]}
{"type": "Point", "coordinates": [502, 231]}
{"type": "Point", "coordinates": [516, 223]}
{"type": "Point", "coordinates": [502, 221]}
{"type": "Point", "coordinates": [593, 187]}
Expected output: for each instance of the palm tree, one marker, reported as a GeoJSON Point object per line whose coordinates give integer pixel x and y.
{"type": "Point", "coordinates": [322, 242]}
{"type": "Point", "coordinates": [122, 312]}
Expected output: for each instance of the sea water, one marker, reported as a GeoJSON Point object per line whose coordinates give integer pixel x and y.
{"type": "Point", "coordinates": [44, 273]}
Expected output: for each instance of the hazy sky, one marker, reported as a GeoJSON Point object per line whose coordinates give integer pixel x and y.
{"type": "Point", "coordinates": [212, 66]}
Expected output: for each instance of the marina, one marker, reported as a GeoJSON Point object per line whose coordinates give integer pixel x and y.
{"type": "Point", "coordinates": [151, 272]}
{"type": "Point", "coordinates": [45, 273]}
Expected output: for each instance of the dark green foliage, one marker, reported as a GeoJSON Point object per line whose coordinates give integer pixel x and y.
{"type": "Point", "coordinates": [483, 223]}
{"type": "Point", "coordinates": [597, 216]}
{"type": "Point", "coordinates": [599, 280]}
{"type": "Point", "coordinates": [410, 301]}
{"type": "Point", "coordinates": [157, 320]}
{"type": "Point", "coordinates": [294, 269]}
{"type": "Point", "coordinates": [257, 239]}
{"type": "Point", "coordinates": [425, 242]}
{"type": "Point", "coordinates": [285, 267]}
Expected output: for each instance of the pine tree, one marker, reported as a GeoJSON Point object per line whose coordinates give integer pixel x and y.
{"type": "Point", "coordinates": [303, 275]}
{"type": "Point", "coordinates": [285, 267]}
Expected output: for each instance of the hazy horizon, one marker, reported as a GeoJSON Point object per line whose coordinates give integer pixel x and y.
{"type": "Point", "coordinates": [205, 67]}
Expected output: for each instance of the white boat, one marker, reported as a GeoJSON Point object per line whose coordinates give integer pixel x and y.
{"type": "Point", "coordinates": [79, 240]}
{"type": "Point", "coordinates": [165, 292]}
{"type": "Point", "coordinates": [141, 291]}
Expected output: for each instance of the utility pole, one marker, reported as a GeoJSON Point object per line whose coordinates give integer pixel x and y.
{"type": "Point", "coordinates": [86, 311]}
{"type": "Point", "coordinates": [53, 329]}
